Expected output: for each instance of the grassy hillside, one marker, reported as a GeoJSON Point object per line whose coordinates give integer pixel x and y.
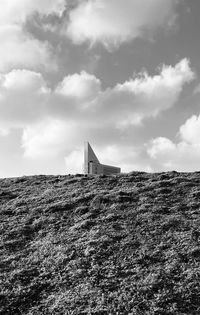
{"type": "Point", "coordinates": [125, 244]}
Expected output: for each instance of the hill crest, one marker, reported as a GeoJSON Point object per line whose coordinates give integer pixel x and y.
{"type": "Point", "coordinates": [121, 244]}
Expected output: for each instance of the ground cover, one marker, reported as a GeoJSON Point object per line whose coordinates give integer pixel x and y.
{"type": "Point", "coordinates": [124, 244]}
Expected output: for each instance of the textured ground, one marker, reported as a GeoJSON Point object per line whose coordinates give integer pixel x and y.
{"type": "Point", "coordinates": [125, 244]}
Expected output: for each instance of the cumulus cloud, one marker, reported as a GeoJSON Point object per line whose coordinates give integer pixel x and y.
{"type": "Point", "coordinates": [181, 156]}
{"type": "Point", "coordinates": [190, 131]}
{"type": "Point", "coordinates": [18, 47]}
{"type": "Point", "coordinates": [24, 94]}
{"type": "Point", "coordinates": [83, 86]}
{"type": "Point", "coordinates": [17, 11]}
{"type": "Point", "coordinates": [59, 119]}
{"type": "Point", "coordinates": [23, 80]}
{"type": "Point", "coordinates": [113, 22]}
{"type": "Point", "coordinates": [18, 50]}
{"type": "Point", "coordinates": [146, 96]}
{"type": "Point", "coordinates": [125, 104]}
{"type": "Point", "coordinates": [74, 162]}
{"type": "Point", "coordinates": [46, 138]}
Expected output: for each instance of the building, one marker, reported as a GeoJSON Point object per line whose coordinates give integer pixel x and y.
{"type": "Point", "coordinates": [92, 164]}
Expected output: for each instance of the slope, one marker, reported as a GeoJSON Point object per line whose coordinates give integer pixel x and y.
{"type": "Point", "coordinates": [124, 244]}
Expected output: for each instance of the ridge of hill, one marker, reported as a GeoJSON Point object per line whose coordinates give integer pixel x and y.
{"type": "Point", "coordinates": [123, 244]}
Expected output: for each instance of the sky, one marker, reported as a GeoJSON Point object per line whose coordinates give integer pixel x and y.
{"type": "Point", "coordinates": [121, 74]}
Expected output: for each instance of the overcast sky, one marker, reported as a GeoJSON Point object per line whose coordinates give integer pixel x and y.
{"type": "Point", "coordinates": [121, 74]}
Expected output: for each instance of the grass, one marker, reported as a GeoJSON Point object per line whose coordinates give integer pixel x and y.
{"type": "Point", "coordinates": [124, 244]}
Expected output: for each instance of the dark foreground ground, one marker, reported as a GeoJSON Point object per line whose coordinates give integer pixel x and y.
{"type": "Point", "coordinates": [126, 244]}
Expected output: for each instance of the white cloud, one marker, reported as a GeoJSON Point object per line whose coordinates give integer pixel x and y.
{"type": "Point", "coordinates": [74, 162]}
{"type": "Point", "coordinates": [113, 22]}
{"type": "Point", "coordinates": [162, 146]}
{"type": "Point", "coordinates": [24, 95]}
{"type": "Point", "coordinates": [47, 138]}
{"type": "Point", "coordinates": [146, 96]}
{"type": "Point", "coordinates": [190, 131]}
{"type": "Point", "coordinates": [23, 80]}
{"type": "Point", "coordinates": [126, 104]}
{"type": "Point", "coordinates": [80, 97]}
{"type": "Point", "coordinates": [18, 47]}
{"type": "Point", "coordinates": [3, 131]}
{"type": "Point", "coordinates": [58, 120]}
{"type": "Point", "coordinates": [121, 156]}
{"type": "Point", "coordinates": [166, 155]}
{"type": "Point", "coordinates": [21, 51]}
{"type": "Point", "coordinates": [83, 86]}
{"type": "Point", "coordinates": [17, 11]}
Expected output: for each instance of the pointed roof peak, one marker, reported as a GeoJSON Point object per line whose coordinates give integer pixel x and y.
{"type": "Point", "coordinates": [90, 153]}
{"type": "Point", "coordinates": [92, 164]}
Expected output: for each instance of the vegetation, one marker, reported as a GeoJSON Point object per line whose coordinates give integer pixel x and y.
{"type": "Point", "coordinates": [124, 244]}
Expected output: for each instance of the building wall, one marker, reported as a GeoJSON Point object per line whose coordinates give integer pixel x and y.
{"type": "Point", "coordinates": [93, 166]}
{"type": "Point", "coordinates": [107, 170]}
{"type": "Point", "coordinates": [97, 168]}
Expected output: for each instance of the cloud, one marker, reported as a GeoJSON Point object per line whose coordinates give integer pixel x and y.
{"type": "Point", "coordinates": [28, 53]}
{"type": "Point", "coordinates": [57, 120]}
{"type": "Point", "coordinates": [3, 132]}
{"type": "Point", "coordinates": [190, 131]}
{"type": "Point", "coordinates": [125, 104]}
{"type": "Point", "coordinates": [52, 137]}
{"type": "Point", "coordinates": [74, 162]}
{"type": "Point", "coordinates": [182, 156]}
{"type": "Point", "coordinates": [17, 11]}
{"type": "Point", "coordinates": [46, 138]}
{"type": "Point", "coordinates": [23, 80]}
{"type": "Point", "coordinates": [83, 86]}
{"type": "Point", "coordinates": [146, 96]}
{"type": "Point", "coordinates": [112, 22]}
{"type": "Point", "coordinates": [24, 94]}
{"type": "Point", "coordinates": [18, 47]}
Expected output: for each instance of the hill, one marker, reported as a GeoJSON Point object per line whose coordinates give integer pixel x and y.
{"type": "Point", "coordinates": [124, 244]}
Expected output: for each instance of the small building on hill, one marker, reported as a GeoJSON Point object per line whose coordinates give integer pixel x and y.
{"type": "Point", "coordinates": [92, 164]}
